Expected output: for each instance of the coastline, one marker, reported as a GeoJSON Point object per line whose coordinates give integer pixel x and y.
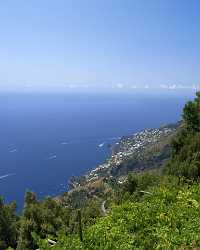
{"type": "Point", "coordinates": [128, 148]}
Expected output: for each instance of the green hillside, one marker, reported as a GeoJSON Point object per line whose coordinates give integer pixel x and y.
{"type": "Point", "coordinates": [168, 217]}
{"type": "Point", "coordinates": [150, 200]}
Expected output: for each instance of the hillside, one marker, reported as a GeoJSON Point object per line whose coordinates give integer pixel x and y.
{"type": "Point", "coordinates": [146, 150]}
{"type": "Point", "coordinates": [151, 209]}
{"type": "Point", "coordinates": [145, 196]}
{"type": "Point", "coordinates": [165, 218]}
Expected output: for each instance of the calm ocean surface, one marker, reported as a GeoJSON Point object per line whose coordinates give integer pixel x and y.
{"type": "Point", "coordinates": [46, 138]}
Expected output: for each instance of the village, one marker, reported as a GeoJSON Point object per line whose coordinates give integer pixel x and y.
{"type": "Point", "coordinates": [129, 146]}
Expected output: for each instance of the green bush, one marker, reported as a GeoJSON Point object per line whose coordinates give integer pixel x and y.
{"type": "Point", "coordinates": [167, 219]}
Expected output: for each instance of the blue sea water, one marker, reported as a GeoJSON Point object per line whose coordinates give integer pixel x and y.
{"type": "Point", "coordinates": [46, 138]}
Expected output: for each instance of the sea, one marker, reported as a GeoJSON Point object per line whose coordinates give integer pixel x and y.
{"type": "Point", "coordinates": [45, 138]}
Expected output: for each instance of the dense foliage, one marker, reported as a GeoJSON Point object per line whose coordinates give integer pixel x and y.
{"type": "Point", "coordinates": [185, 160]}
{"type": "Point", "coordinates": [50, 217]}
{"type": "Point", "coordinates": [8, 225]}
{"type": "Point", "coordinates": [148, 210]}
{"type": "Point", "coordinates": [166, 218]}
{"type": "Point", "coordinates": [44, 218]}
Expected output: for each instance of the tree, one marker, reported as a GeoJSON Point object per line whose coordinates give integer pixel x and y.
{"type": "Point", "coordinates": [46, 217]}
{"type": "Point", "coordinates": [8, 225]}
{"type": "Point", "coordinates": [191, 114]}
{"type": "Point", "coordinates": [185, 159]}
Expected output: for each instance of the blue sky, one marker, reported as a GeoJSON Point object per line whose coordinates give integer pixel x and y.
{"type": "Point", "coordinates": [99, 43]}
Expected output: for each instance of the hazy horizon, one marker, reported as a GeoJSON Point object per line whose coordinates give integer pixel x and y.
{"type": "Point", "coordinates": [112, 88]}
{"type": "Point", "coordinates": [99, 44]}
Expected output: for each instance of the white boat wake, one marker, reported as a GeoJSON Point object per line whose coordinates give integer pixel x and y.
{"type": "Point", "coordinates": [6, 175]}
{"type": "Point", "coordinates": [105, 139]}
{"type": "Point", "coordinates": [64, 143]}
{"type": "Point", "coordinates": [13, 150]}
{"type": "Point", "coordinates": [52, 157]}
{"type": "Point", "coordinates": [114, 138]}
{"type": "Point", "coordinates": [101, 145]}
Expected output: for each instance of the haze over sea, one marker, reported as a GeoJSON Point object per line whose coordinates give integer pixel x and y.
{"type": "Point", "coordinates": [46, 138]}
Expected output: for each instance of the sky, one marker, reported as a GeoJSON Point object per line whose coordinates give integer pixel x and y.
{"type": "Point", "coordinates": [102, 43]}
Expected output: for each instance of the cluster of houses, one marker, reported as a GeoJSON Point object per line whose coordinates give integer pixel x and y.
{"type": "Point", "coordinates": [128, 146]}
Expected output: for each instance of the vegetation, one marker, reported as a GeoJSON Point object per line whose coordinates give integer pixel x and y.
{"type": "Point", "coordinates": [185, 160]}
{"type": "Point", "coordinates": [44, 218]}
{"type": "Point", "coordinates": [8, 225]}
{"type": "Point", "coordinates": [154, 209]}
{"type": "Point", "coordinates": [166, 218]}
